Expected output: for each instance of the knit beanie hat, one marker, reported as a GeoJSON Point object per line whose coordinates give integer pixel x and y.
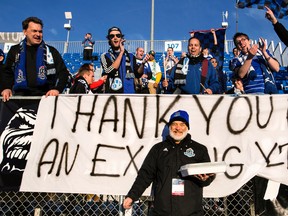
{"type": "Point", "coordinates": [179, 115]}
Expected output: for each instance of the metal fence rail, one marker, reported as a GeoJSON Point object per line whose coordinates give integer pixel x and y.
{"type": "Point", "coordinates": [49, 204]}
{"type": "Point", "coordinates": [278, 50]}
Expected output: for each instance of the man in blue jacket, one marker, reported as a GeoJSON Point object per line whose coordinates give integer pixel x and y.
{"type": "Point", "coordinates": [193, 74]}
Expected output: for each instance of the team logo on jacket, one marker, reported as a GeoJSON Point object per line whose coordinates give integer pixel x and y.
{"type": "Point", "coordinates": [117, 84]}
{"type": "Point", "coordinates": [189, 152]}
{"type": "Point", "coordinates": [20, 77]}
{"type": "Point", "coordinates": [41, 73]}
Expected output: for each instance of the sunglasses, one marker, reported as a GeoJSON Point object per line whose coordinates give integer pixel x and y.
{"type": "Point", "coordinates": [111, 36]}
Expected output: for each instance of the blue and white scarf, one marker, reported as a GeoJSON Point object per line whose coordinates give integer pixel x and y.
{"type": "Point", "coordinates": [20, 72]}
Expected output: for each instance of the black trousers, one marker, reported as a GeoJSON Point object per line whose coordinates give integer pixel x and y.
{"type": "Point", "coordinates": [87, 54]}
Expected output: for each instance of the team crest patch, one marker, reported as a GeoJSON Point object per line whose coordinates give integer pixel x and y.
{"type": "Point", "coordinates": [41, 73]}
{"type": "Point", "coordinates": [20, 78]}
{"type": "Point", "coordinates": [117, 84]}
{"type": "Point", "coordinates": [189, 152]}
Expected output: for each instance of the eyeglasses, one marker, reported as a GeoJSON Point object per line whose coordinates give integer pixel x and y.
{"type": "Point", "coordinates": [111, 36]}
{"type": "Point", "coordinates": [240, 41]}
{"type": "Point", "coordinates": [213, 61]}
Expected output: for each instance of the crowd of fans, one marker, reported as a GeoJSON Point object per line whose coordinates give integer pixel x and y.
{"type": "Point", "coordinates": [34, 68]}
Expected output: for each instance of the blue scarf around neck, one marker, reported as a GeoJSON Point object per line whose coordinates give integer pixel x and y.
{"type": "Point", "coordinates": [20, 72]}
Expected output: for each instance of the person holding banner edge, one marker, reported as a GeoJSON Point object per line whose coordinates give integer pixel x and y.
{"type": "Point", "coordinates": [193, 74]}
{"type": "Point", "coordinates": [174, 194]}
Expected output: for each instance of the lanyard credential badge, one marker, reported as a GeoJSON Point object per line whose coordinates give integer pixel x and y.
{"type": "Point", "coordinates": [177, 187]}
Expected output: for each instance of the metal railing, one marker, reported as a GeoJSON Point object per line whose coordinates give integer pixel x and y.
{"type": "Point", "coordinates": [54, 204]}
{"type": "Point", "coordinates": [159, 46]}
{"type": "Point", "coordinates": [131, 45]}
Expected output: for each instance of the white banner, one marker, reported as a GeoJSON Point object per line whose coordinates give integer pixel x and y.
{"type": "Point", "coordinates": [11, 37]}
{"type": "Point", "coordinates": [96, 143]}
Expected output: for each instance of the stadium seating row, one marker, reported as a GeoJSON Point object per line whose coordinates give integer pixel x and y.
{"type": "Point", "coordinates": [73, 62]}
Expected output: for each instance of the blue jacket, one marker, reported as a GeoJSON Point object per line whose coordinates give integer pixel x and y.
{"type": "Point", "coordinates": [193, 80]}
{"type": "Point", "coordinates": [88, 43]}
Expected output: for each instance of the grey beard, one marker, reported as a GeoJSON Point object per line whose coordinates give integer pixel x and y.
{"type": "Point", "coordinates": [178, 138]}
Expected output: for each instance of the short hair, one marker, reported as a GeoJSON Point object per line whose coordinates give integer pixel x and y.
{"type": "Point", "coordinates": [84, 69]}
{"type": "Point", "coordinates": [86, 66]}
{"type": "Point", "coordinates": [26, 22]}
{"type": "Point", "coordinates": [238, 34]}
{"type": "Point", "coordinates": [139, 48]}
{"type": "Point", "coordinates": [214, 59]}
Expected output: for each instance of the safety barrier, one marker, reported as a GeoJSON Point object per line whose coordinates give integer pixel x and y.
{"type": "Point", "coordinates": [58, 204]}
{"type": "Point", "coordinates": [15, 203]}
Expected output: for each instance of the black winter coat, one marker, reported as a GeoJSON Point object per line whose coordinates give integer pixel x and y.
{"type": "Point", "coordinates": [160, 166]}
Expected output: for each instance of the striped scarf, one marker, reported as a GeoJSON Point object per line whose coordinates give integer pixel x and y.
{"type": "Point", "coordinates": [129, 72]}
{"type": "Point", "coordinates": [182, 68]}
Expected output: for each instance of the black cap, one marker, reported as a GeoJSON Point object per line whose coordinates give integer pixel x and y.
{"type": "Point", "coordinates": [114, 28]}
{"type": "Point", "coordinates": [152, 52]}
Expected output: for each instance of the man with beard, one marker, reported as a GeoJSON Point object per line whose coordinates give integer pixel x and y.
{"type": "Point", "coordinates": [119, 65]}
{"type": "Point", "coordinates": [33, 68]}
{"type": "Point", "coordinates": [193, 74]}
{"type": "Point", "coordinates": [174, 194]}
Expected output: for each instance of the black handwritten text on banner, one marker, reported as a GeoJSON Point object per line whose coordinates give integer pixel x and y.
{"type": "Point", "coordinates": [96, 144]}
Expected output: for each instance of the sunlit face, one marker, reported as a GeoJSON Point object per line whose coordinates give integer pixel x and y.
{"type": "Point", "coordinates": [214, 62]}
{"type": "Point", "coordinates": [235, 52]}
{"type": "Point", "coordinates": [151, 57]}
{"type": "Point", "coordinates": [115, 38]}
{"type": "Point", "coordinates": [33, 33]}
{"type": "Point", "coordinates": [139, 53]}
{"type": "Point", "coordinates": [91, 68]}
{"type": "Point", "coordinates": [243, 44]}
{"type": "Point", "coordinates": [205, 51]}
{"type": "Point", "coordinates": [178, 131]}
{"type": "Point", "coordinates": [194, 47]}
{"type": "Point", "coordinates": [170, 52]}
{"type": "Point", "coordinates": [89, 77]}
